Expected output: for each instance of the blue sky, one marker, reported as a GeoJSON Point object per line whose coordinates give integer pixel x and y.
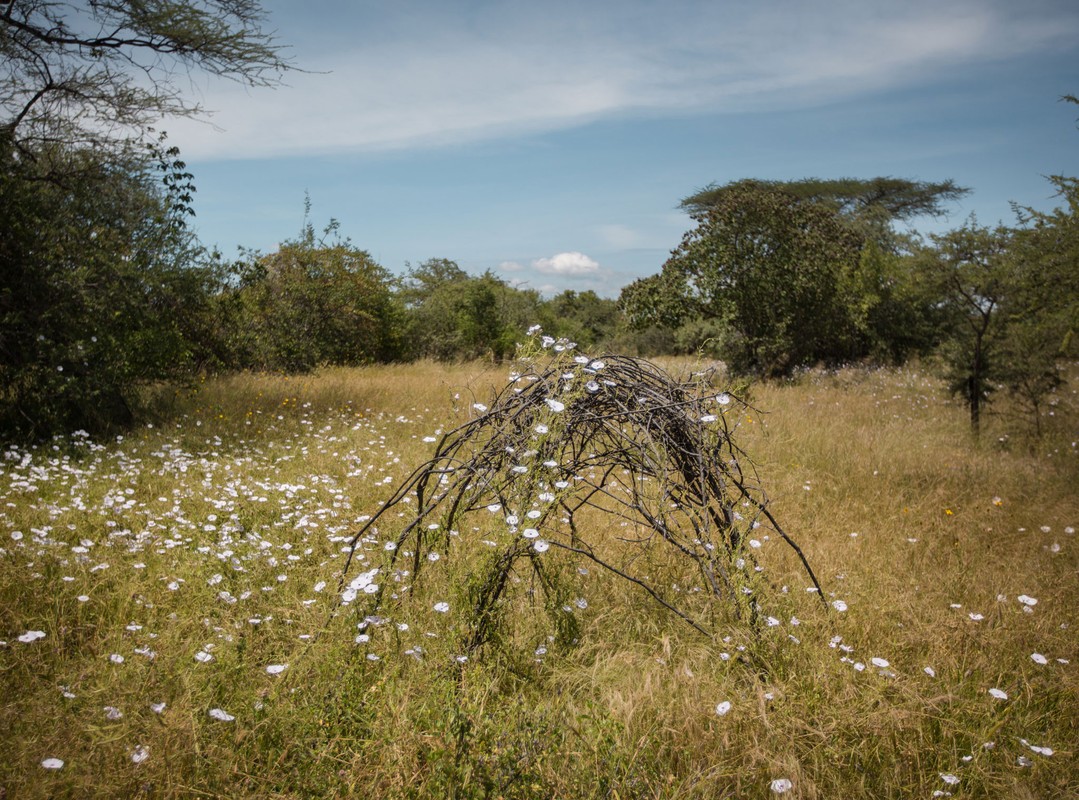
{"type": "Point", "coordinates": [552, 142]}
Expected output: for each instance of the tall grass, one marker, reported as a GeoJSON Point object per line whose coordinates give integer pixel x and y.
{"type": "Point", "coordinates": [220, 530]}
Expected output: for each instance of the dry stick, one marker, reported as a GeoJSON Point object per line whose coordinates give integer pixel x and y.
{"type": "Point", "coordinates": [631, 579]}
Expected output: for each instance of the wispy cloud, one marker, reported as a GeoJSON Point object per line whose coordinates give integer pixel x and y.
{"type": "Point", "coordinates": [415, 74]}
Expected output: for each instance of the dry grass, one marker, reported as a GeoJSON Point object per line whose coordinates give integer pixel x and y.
{"type": "Point", "coordinates": [257, 478]}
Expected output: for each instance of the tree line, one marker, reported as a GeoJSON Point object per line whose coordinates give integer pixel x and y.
{"type": "Point", "coordinates": [778, 276]}
{"type": "Point", "coordinates": [104, 289]}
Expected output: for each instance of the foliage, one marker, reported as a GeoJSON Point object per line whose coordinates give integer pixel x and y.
{"type": "Point", "coordinates": [884, 199]}
{"type": "Point", "coordinates": [1043, 313]}
{"type": "Point", "coordinates": [582, 317]}
{"type": "Point", "coordinates": [1011, 299]}
{"type": "Point", "coordinates": [453, 315]}
{"type": "Point", "coordinates": [313, 303]}
{"type": "Point", "coordinates": [102, 290]}
{"type": "Point", "coordinates": [768, 267]}
{"type": "Point", "coordinates": [91, 73]}
{"type": "Point", "coordinates": [973, 275]}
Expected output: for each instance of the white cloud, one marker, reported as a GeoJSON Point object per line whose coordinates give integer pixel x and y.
{"type": "Point", "coordinates": [567, 265]}
{"type": "Point", "coordinates": [424, 73]}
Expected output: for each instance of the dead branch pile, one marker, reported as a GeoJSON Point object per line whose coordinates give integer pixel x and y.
{"type": "Point", "coordinates": [568, 436]}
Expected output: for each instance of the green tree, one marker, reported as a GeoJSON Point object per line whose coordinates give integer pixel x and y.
{"type": "Point", "coordinates": [1043, 312]}
{"type": "Point", "coordinates": [102, 290]}
{"type": "Point", "coordinates": [972, 273]}
{"type": "Point", "coordinates": [102, 286]}
{"type": "Point", "coordinates": [313, 302]}
{"type": "Point", "coordinates": [767, 267]}
{"type": "Point", "coordinates": [582, 317]}
{"type": "Point", "coordinates": [781, 274]}
{"type": "Point", "coordinates": [454, 315]}
{"type": "Point", "coordinates": [873, 204]}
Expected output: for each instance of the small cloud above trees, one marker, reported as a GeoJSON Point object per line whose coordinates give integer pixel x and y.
{"type": "Point", "coordinates": [566, 264]}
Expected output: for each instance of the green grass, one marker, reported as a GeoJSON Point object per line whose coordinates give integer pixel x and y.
{"type": "Point", "coordinates": [212, 530]}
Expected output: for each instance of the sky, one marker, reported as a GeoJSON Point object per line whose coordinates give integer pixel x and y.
{"type": "Point", "coordinates": [551, 143]}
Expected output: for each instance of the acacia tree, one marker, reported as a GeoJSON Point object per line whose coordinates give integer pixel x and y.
{"type": "Point", "coordinates": [1042, 315]}
{"type": "Point", "coordinates": [874, 204]}
{"type": "Point", "coordinates": [973, 274]}
{"type": "Point", "coordinates": [100, 72]}
{"type": "Point", "coordinates": [767, 266]}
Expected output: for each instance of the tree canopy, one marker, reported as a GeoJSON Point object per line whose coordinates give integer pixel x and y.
{"type": "Point", "coordinates": [881, 198]}
{"type": "Point", "coordinates": [99, 72]}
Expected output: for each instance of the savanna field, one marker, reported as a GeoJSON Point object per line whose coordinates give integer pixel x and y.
{"type": "Point", "coordinates": [171, 624]}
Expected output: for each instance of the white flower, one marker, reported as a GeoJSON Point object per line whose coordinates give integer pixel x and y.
{"type": "Point", "coordinates": [932, 673]}
{"type": "Point", "coordinates": [141, 754]}
{"type": "Point", "coordinates": [441, 607]}
{"type": "Point", "coordinates": [52, 763]}
{"type": "Point", "coordinates": [1027, 600]}
{"type": "Point", "coordinates": [479, 407]}
{"type": "Point", "coordinates": [276, 669]}
{"type": "Point", "coordinates": [221, 714]}
{"type": "Point", "coordinates": [781, 785]}
{"type": "Point", "coordinates": [839, 605]}
{"type": "Point", "coordinates": [157, 708]}
{"type": "Point", "coordinates": [555, 405]}
{"type": "Point", "coordinates": [949, 779]}
{"type": "Point", "coordinates": [530, 533]}
{"type": "Point", "coordinates": [203, 657]}
{"type": "Point", "coordinates": [723, 707]}
{"type": "Point", "coordinates": [32, 636]}
{"type": "Point", "coordinates": [723, 399]}
{"type": "Point", "coordinates": [361, 582]}
{"type": "Point", "coordinates": [1038, 658]}
{"type": "Point", "coordinates": [879, 662]}
{"type": "Point", "coordinates": [998, 694]}
{"type": "Point", "coordinates": [541, 546]}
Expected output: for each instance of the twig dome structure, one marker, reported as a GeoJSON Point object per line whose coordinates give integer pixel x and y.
{"type": "Point", "coordinates": [568, 438]}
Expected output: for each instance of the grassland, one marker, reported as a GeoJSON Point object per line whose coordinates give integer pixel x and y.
{"type": "Point", "coordinates": [166, 618]}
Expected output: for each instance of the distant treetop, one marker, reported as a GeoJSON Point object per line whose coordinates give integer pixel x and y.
{"type": "Point", "coordinates": [893, 199]}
